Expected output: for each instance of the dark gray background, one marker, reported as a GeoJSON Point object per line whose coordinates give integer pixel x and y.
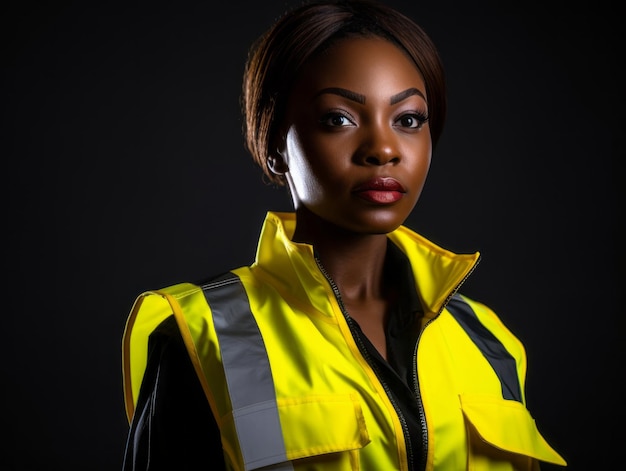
{"type": "Point", "coordinates": [124, 170]}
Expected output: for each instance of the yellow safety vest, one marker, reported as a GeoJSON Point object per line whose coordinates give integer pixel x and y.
{"type": "Point", "coordinates": [289, 387]}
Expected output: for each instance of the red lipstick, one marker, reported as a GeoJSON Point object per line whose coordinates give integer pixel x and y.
{"type": "Point", "coordinates": [381, 190]}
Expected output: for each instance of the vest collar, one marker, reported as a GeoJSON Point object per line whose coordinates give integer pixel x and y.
{"type": "Point", "coordinates": [294, 271]}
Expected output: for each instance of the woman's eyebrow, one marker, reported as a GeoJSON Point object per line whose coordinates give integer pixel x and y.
{"type": "Point", "coordinates": [398, 97]}
{"type": "Point", "coordinates": [359, 98]}
{"type": "Point", "coordinates": [350, 95]}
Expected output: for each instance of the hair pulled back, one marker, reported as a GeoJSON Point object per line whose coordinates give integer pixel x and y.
{"type": "Point", "coordinates": [277, 57]}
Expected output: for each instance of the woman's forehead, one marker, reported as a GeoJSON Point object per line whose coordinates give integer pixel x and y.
{"type": "Point", "coordinates": [361, 65]}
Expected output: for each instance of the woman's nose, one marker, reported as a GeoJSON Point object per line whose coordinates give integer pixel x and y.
{"type": "Point", "coordinates": [379, 147]}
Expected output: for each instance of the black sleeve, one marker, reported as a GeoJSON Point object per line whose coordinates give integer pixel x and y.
{"type": "Point", "coordinates": [173, 427]}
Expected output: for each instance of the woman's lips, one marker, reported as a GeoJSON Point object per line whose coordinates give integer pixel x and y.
{"type": "Point", "coordinates": [382, 190]}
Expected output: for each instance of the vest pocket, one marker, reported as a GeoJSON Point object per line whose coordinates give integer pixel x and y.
{"type": "Point", "coordinates": [326, 430]}
{"type": "Point", "coordinates": [502, 435]}
{"type": "Point", "coordinates": [310, 432]}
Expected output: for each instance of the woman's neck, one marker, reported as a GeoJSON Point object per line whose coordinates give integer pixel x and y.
{"type": "Point", "coordinates": [353, 260]}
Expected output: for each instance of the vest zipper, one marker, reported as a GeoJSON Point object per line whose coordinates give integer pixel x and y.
{"type": "Point", "coordinates": [372, 364]}
{"type": "Point", "coordinates": [420, 404]}
{"type": "Point", "coordinates": [418, 395]}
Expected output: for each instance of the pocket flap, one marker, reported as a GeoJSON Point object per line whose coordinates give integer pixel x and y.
{"type": "Point", "coordinates": [315, 425]}
{"type": "Point", "coordinates": [310, 426]}
{"type": "Point", "coordinates": [508, 425]}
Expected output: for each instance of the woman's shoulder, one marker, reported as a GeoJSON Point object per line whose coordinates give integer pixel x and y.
{"type": "Point", "coordinates": [480, 318]}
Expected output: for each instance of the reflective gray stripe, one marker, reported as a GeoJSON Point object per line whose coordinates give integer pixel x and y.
{"type": "Point", "coordinates": [248, 375]}
{"type": "Point", "coordinates": [492, 349]}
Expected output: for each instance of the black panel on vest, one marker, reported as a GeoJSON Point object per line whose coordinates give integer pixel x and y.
{"type": "Point", "coordinates": [492, 349]}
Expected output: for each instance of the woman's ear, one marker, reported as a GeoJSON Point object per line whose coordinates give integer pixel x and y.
{"type": "Point", "coordinates": [276, 163]}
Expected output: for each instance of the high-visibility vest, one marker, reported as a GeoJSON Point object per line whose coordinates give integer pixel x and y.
{"type": "Point", "coordinates": [290, 388]}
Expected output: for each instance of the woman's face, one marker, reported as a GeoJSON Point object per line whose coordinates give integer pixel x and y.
{"type": "Point", "coordinates": [357, 144]}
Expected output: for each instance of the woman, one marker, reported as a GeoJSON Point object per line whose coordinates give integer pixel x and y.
{"type": "Point", "coordinates": [345, 345]}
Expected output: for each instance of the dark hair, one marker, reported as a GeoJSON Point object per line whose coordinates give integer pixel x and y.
{"type": "Point", "coordinates": [277, 57]}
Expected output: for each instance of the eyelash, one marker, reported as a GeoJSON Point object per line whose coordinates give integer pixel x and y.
{"type": "Point", "coordinates": [420, 117]}
{"type": "Point", "coordinates": [326, 119]}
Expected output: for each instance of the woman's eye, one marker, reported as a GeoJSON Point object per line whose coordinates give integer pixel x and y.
{"type": "Point", "coordinates": [412, 121]}
{"type": "Point", "coordinates": [336, 120]}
